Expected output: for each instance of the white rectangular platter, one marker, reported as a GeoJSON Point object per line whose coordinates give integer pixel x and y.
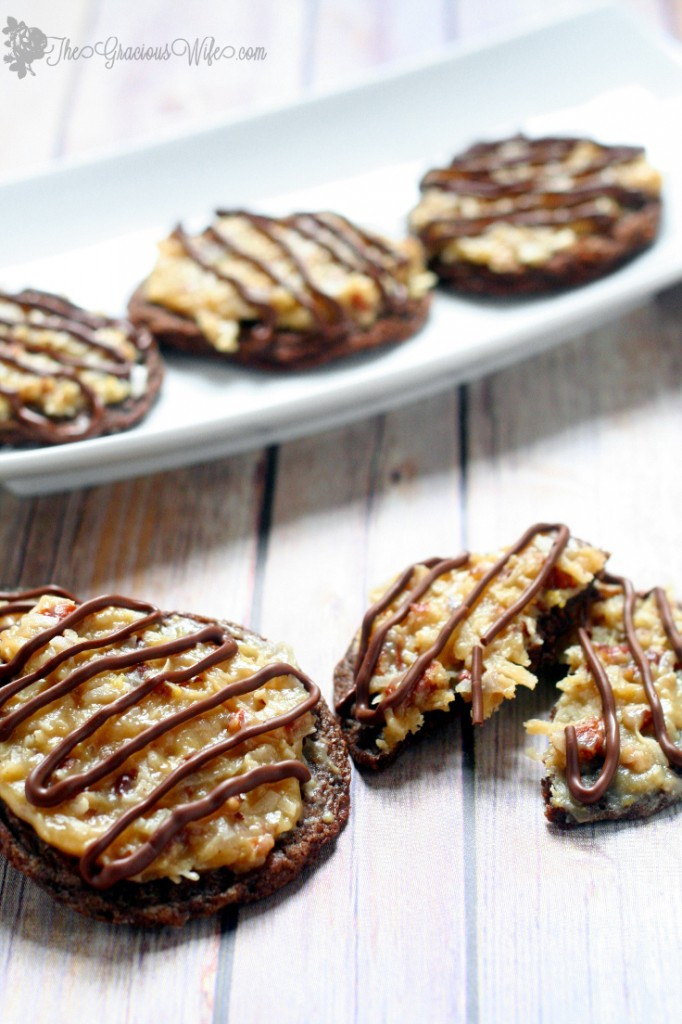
{"type": "Point", "coordinates": [88, 230]}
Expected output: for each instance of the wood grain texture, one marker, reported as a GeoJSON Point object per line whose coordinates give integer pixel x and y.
{"type": "Point", "coordinates": [136, 99]}
{"type": "Point", "coordinates": [350, 38]}
{"type": "Point", "coordinates": [369, 491]}
{"type": "Point", "coordinates": [447, 898]}
{"type": "Point", "coordinates": [33, 115]}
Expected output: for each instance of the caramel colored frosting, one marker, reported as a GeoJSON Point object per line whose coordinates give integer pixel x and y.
{"type": "Point", "coordinates": [61, 367]}
{"type": "Point", "coordinates": [467, 625]}
{"type": "Point", "coordinates": [517, 203]}
{"type": "Point", "coordinates": [305, 272]}
{"type": "Point", "coordinates": [148, 744]}
{"type": "Point", "coordinates": [615, 732]}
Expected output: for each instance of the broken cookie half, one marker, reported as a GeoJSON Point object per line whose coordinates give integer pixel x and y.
{"type": "Point", "coordinates": [613, 736]}
{"type": "Point", "coordinates": [476, 626]}
{"type": "Point", "coordinates": [157, 766]}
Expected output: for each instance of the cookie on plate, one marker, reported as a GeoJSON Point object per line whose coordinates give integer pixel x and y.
{"type": "Point", "coordinates": [282, 293]}
{"type": "Point", "coordinates": [68, 375]}
{"type": "Point", "coordinates": [615, 731]}
{"type": "Point", "coordinates": [475, 625]}
{"type": "Point", "coordinates": [527, 216]}
{"type": "Point", "coordinates": [157, 766]}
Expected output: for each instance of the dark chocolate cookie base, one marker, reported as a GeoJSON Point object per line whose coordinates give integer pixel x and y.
{"type": "Point", "coordinates": [162, 902]}
{"type": "Point", "coordinates": [361, 739]}
{"type": "Point", "coordinates": [643, 807]}
{"type": "Point", "coordinates": [117, 418]}
{"type": "Point", "coordinates": [284, 350]}
{"type": "Point", "coordinates": [592, 257]}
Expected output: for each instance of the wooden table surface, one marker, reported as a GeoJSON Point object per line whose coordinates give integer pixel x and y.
{"type": "Point", "coordinates": [447, 898]}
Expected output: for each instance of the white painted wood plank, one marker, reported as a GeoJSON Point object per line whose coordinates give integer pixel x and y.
{"type": "Point", "coordinates": [62, 968]}
{"type": "Point", "coordinates": [307, 936]}
{"type": "Point", "coordinates": [405, 30]}
{"type": "Point", "coordinates": [355, 504]}
{"type": "Point", "coordinates": [15, 515]}
{"type": "Point", "coordinates": [189, 537]}
{"type": "Point", "coordinates": [353, 37]}
{"type": "Point", "coordinates": [137, 99]}
{"type": "Point", "coordinates": [409, 826]}
{"type": "Point", "coordinates": [476, 20]}
{"type": "Point", "coordinates": [34, 109]}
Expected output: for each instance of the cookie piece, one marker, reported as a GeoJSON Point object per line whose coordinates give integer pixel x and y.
{"type": "Point", "coordinates": [284, 293]}
{"type": "Point", "coordinates": [613, 739]}
{"type": "Point", "coordinates": [527, 216]}
{"type": "Point", "coordinates": [157, 766]}
{"type": "Point", "coordinates": [475, 625]}
{"type": "Point", "coordinates": [68, 375]}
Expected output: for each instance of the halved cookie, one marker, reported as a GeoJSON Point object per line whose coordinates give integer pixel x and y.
{"type": "Point", "coordinates": [527, 216]}
{"type": "Point", "coordinates": [475, 625]}
{"type": "Point", "coordinates": [157, 766]}
{"type": "Point", "coordinates": [68, 375]}
{"type": "Point", "coordinates": [615, 731]}
{"type": "Point", "coordinates": [282, 293]}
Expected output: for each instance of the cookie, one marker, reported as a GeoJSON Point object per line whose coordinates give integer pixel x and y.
{"type": "Point", "coordinates": [613, 748]}
{"type": "Point", "coordinates": [69, 375]}
{"type": "Point", "coordinates": [528, 216]}
{"type": "Point", "coordinates": [157, 766]}
{"type": "Point", "coordinates": [476, 626]}
{"type": "Point", "coordinates": [284, 293]}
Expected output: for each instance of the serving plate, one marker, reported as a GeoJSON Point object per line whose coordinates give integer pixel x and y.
{"type": "Point", "coordinates": [93, 226]}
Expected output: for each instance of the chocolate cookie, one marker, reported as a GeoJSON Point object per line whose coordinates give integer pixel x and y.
{"type": "Point", "coordinates": [68, 375]}
{"type": "Point", "coordinates": [157, 766]}
{"type": "Point", "coordinates": [475, 625]}
{"type": "Point", "coordinates": [527, 216]}
{"type": "Point", "coordinates": [284, 293]}
{"type": "Point", "coordinates": [613, 738]}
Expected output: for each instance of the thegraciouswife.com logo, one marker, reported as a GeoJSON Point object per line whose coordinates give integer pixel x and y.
{"type": "Point", "coordinates": [27, 45]}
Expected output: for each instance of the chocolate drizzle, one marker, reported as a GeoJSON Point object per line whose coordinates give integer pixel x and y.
{"type": "Point", "coordinates": [532, 201]}
{"type": "Point", "coordinates": [64, 318]}
{"type": "Point", "coordinates": [42, 792]}
{"type": "Point", "coordinates": [347, 246]}
{"type": "Point", "coordinates": [591, 794]}
{"type": "Point", "coordinates": [370, 647]}
{"type": "Point", "coordinates": [673, 753]}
